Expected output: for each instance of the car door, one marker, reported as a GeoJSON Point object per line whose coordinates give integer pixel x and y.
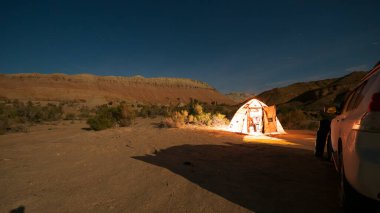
{"type": "Point", "coordinates": [336, 123]}
{"type": "Point", "coordinates": [350, 114]}
{"type": "Point", "coordinates": [341, 125]}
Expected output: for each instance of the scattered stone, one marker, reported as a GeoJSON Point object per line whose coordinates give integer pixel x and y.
{"type": "Point", "coordinates": [187, 163]}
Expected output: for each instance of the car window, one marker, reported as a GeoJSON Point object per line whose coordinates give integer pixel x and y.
{"type": "Point", "coordinates": [347, 101]}
{"type": "Point", "coordinates": [374, 80]}
{"type": "Point", "coordinates": [356, 97]}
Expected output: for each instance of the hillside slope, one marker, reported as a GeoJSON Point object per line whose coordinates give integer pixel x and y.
{"type": "Point", "coordinates": [312, 96]}
{"type": "Point", "coordinates": [285, 94]}
{"type": "Point", "coordinates": [239, 97]}
{"type": "Point", "coordinates": [329, 95]}
{"type": "Point", "coordinates": [95, 90]}
{"type": "Point", "coordinates": [299, 105]}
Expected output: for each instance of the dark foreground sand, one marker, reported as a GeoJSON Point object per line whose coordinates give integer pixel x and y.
{"type": "Point", "coordinates": [64, 168]}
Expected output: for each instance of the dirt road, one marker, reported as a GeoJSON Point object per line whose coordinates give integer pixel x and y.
{"type": "Point", "coordinates": [64, 168]}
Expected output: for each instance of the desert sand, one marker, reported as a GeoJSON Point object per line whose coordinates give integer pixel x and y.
{"type": "Point", "coordinates": [66, 168]}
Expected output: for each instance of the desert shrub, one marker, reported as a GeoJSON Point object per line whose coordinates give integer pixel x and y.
{"type": "Point", "coordinates": [219, 120]}
{"type": "Point", "coordinates": [52, 112]}
{"type": "Point", "coordinates": [4, 125]}
{"type": "Point", "coordinates": [84, 112]}
{"type": "Point", "coordinates": [203, 119]}
{"type": "Point", "coordinates": [195, 115]}
{"type": "Point", "coordinates": [313, 125]}
{"type": "Point", "coordinates": [108, 116]}
{"type": "Point", "coordinates": [167, 122]}
{"type": "Point", "coordinates": [14, 114]}
{"type": "Point", "coordinates": [297, 119]}
{"type": "Point", "coordinates": [33, 113]}
{"type": "Point", "coordinates": [179, 118]}
{"type": "Point", "coordinates": [292, 119]}
{"type": "Point", "coordinates": [100, 122]}
{"type": "Point", "coordinates": [19, 128]}
{"type": "Point", "coordinates": [191, 119]}
{"type": "Point", "coordinates": [152, 111]}
{"type": "Point", "coordinates": [128, 115]}
{"type": "Point", "coordinates": [227, 110]}
{"type": "Point", "coordinates": [72, 103]}
{"type": "Point", "coordinates": [70, 116]}
{"type": "Point", "coordinates": [105, 117]}
{"type": "Point", "coordinates": [145, 112]}
{"type": "Point", "coordinates": [36, 113]}
{"type": "Point", "coordinates": [196, 109]}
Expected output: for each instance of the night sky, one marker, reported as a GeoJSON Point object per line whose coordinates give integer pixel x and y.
{"type": "Point", "coordinates": [232, 45]}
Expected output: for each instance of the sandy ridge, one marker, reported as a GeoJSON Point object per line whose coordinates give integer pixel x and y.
{"type": "Point", "coordinates": [96, 90]}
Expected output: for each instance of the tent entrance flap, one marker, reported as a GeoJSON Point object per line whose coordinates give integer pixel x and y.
{"type": "Point", "coordinates": [270, 119]}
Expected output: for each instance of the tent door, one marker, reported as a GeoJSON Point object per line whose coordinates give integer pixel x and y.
{"type": "Point", "coordinates": [270, 122]}
{"type": "Point", "coordinates": [254, 120]}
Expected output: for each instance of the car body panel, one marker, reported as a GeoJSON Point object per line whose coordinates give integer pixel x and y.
{"type": "Point", "coordinates": [359, 147]}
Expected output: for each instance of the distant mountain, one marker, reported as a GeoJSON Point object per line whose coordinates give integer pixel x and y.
{"type": "Point", "coordinates": [313, 95]}
{"type": "Point", "coordinates": [94, 90]}
{"type": "Point", "coordinates": [285, 94]}
{"type": "Point", "coordinates": [239, 97]}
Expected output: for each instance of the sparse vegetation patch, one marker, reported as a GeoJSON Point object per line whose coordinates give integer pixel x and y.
{"type": "Point", "coordinates": [107, 116]}
{"type": "Point", "coordinates": [16, 115]}
{"type": "Point", "coordinates": [194, 113]}
{"type": "Point", "coordinates": [298, 119]}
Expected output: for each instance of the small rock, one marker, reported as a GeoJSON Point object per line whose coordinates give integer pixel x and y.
{"type": "Point", "coordinates": [187, 163]}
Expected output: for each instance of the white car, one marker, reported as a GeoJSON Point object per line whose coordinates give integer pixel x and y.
{"type": "Point", "coordinates": [354, 142]}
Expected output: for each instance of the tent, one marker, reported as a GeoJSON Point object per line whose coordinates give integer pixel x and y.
{"type": "Point", "coordinates": [255, 118]}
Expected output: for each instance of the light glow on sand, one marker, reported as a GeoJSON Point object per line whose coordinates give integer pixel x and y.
{"type": "Point", "coordinates": [267, 140]}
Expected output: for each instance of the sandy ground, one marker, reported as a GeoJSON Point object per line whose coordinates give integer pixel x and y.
{"type": "Point", "coordinates": [65, 168]}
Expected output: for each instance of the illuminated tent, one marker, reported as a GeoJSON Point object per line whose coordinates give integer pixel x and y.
{"type": "Point", "coordinates": [255, 118]}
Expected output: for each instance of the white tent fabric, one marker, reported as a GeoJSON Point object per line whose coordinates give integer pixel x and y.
{"type": "Point", "coordinates": [249, 119]}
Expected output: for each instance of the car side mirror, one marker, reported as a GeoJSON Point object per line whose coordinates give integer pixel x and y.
{"type": "Point", "coordinates": [331, 110]}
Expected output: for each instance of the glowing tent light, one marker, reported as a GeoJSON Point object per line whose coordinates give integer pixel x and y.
{"type": "Point", "coordinates": [256, 118]}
